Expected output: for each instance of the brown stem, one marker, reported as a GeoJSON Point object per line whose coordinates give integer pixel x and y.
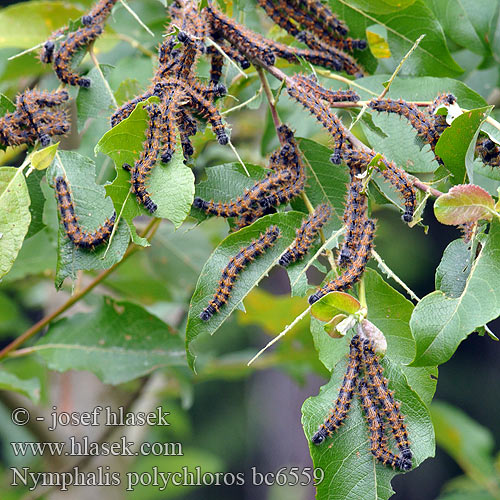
{"type": "Point", "coordinates": [151, 228]}
{"type": "Point", "coordinates": [270, 98]}
{"type": "Point", "coordinates": [277, 73]}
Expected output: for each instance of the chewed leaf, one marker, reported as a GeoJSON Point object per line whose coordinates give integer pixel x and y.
{"type": "Point", "coordinates": [347, 453]}
{"type": "Point", "coordinates": [119, 341]}
{"type": "Point", "coordinates": [464, 203]}
{"type": "Point", "coordinates": [378, 45]}
{"type": "Point", "coordinates": [43, 158]}
{"type": "Point", "coordinates": [334, 303]}
{"type": "Point", "coordinates": [248, 278]}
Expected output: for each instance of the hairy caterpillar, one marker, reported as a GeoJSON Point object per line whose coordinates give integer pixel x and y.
{"type": "Point", "coordinates": [306, 235]}
{"type": "Point", "coordinates": [251, 44]}
{"type": "Point", "coordinates": [310, 84]}
{"type": "Point", "coordinates": [488, 151]}
{"type": "Point", "coordinates": [249, 199]}
{"type": "Point", "coordinates": [185, 14]}
{"type": "Point", "coordinates": [439, 121]}
{"type": "Point", "coordinates": [378, 385]}
{"type": "Point", "coordinates": [234, 268]}
{"type": "Point", "coordinates": [147, 160]}
{"type": "Point", "coordinates": [417, 118]}
{"type": "Point", "coordinates": [376, 427]}
{"type": "Point", "coordinates": [391, 173]}
{"type": "Point", "coordinates": [232, 53]}
{"type": "Point", "coordinates": [327, 118]}
{"type": "Point", "coordinates": [34, 119]}
{"type": "Point", "coordinates": [355, 268]}
{"type": "Point", "coordinates": [99, 13]}
{"type": "Point", "coordinates": [343, 403]}
{"type": "Point", "coordinates": [216, 66]}
{"type": "Point", "coordinates": [321, 18]}
{"type": "Point", "coordinates": [79, 237]}
{"type": "Point", "coordinates": [354, 218]}
{"type": "Point", "coordinates": [169, 107]}
{"type": "Point", "coordinates": [75, 41]}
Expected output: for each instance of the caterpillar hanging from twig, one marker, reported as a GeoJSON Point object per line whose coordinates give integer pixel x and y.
{"type": "Point", "coordinates": [236, 265]}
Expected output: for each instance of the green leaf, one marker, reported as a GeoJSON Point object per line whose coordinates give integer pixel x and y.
{"type": "Point", "coordinates": [92, 208]}
{"type": "Point", "coordinates": [399, 143]}
{"type": "Point", "coordinates": [118, 342]}
{"type": "Point", "coordinates": [14, 215]}
{"type": "Point", "coordinates": [37, 202]}
{"type": "Point", "coordinates": [42, 18]}
{"type": "Point", "coordinates": [27, 387]}
{"type": "Point", "coordinates": [439, 323]}
{"type": "Point", "coordinates": [468, 443]}
{"type": "Point", "coordinates": [127, 90]}
{"type": "Point", "coordinates": [98, 99]}
{"type": "Point", "coordinates": [388, 310]}
{"type": "Point", "coordinates": [171, 185]}
{"type": "Point", "coordinates": [351, 472]}
{"type": "Point", "coordinates": [404, 26]}
{"type": "Point", "coordinates": [464, 203]}
{"type": "Point", "coordinates": [42, 159]}
{"type": "Point", "coordinates": [334, 303]}
{"type": "Point", "coordinates": [454, 268]}
{"type": "Point", "coordinates": [466, 22]}
{"type": "Point", "coordinates": [457, 143]}
{"type": "Point", "coordinates": [250, 276]}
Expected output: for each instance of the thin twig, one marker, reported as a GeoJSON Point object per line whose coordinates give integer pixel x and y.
{"type": "Point", "coordinates": [136, 17]}
{"type": "Point", "coordinates": [149, 231]}
{"type": "Point", "coordinates": [238, 156]}
{"type": "Point", "coordinates": [282, 334]}
{"type": "Point", "coordinates": [134, 43]}
{"type": "Point", "coordinates": [243, 104]}
{"type": "Point", "coordinates": [106, 84]}
{"type": "Point", "coordinates": [391, 274]}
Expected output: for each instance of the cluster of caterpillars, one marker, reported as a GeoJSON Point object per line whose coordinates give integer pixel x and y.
{"type": "Point", "coordinates": [364, 376]}
{"type": "Point", "coordinates": [36, 118]}
{"type": "Point", "coordinates": [430, 124]}
{"type": "Point", "coordinates": [62, 53]}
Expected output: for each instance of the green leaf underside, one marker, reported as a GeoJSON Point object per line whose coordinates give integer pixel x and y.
{"type": "Point", "coordinates": [351, 472]}
{"type": "Point", "coordinates": [454, 268]}
{"type": "Point", "coordinates": [439, 323]}
{"type": "Point", "coordinates": [249, 277]}
{"type": "Point", "coordinates": [400, 143]}
{"type": "Point", "coordinates": [118, 342]}
{"type": "Point", "coordinates": [456, 144]}
{"type": "Point", "coordinates": [464, 203]}
{"type": "Point", "coordinates": [171, 185]}
{"type": "Point", "coordinates": [92, 208]}
{"type": "Point", "coordinates": [15, 215]}
{"type": "Point", "coordinates": [97, 99]}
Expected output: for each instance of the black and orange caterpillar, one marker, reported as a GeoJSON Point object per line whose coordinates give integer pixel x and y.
{"type": "Point", "coordinates": [79, 237]}
{"type": "Point", "coordinates": [35, 118]}
{"type": "Point", "coordinates": [306, 235]}
{"type": "Point", "coordinates": [235, 267]}
{"type": "Point", "coordinates": [355, 269]}
{"type": "Point", "coordinates": [343, 402]}
{"type": "Point", "coordinates": [141, 170]}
